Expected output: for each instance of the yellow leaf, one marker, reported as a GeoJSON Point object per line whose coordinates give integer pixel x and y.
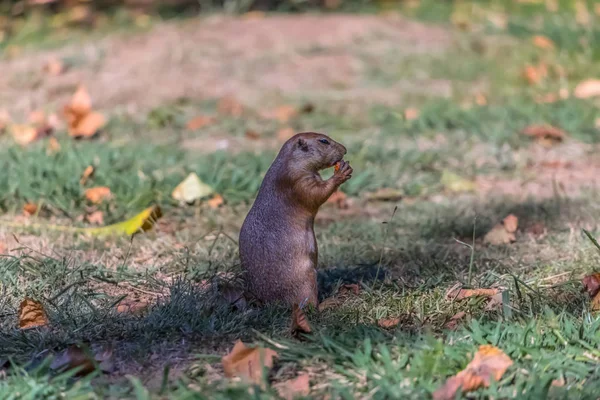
{"type": "Point", "coordinates": [31, 314]}
{"type": "Point", "coordinates": [456, 183]}
{"type": "Point", "coordinates": [142, 222]}
{"type": "Point", "coordinates": [191, 189]}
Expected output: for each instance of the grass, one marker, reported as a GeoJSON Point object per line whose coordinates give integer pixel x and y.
{"type": "Point", "coordinates": [172, 348]}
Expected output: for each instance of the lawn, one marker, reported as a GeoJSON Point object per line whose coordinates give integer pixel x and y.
{"type": "Point", "coordinates": [445, 109]}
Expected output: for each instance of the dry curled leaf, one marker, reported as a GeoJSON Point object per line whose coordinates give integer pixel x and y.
{"type": "Point", "coordinates": [458, 293]}
{"type": "Point", "coordinates": [82, 122]}
{"type": "Point", "coordinates": [542, 42]}
{"type": "Point", "coordinates": [538, 229]}
{"type": "Point", "coordinates": [132, 306]}
{"type": "Point", "coordinates": [252, 134]}
{"type": "Point", "coordinates": [191, 189]}
{"type": "Point", "coordinates": [199, 122]}
{"type": "Point", "coordinates": [499, 235]}
{"type": "Point", "coordinates": [489, 363]}
{"type": "Point", "coordinates": [591, 283]}
{"type": "Point", "coordinates": [588, 88]}
{"type": "Point", "coordinates": [452, 323]}
{"type": "Point", "coordinates": [299, 321]}
{"type": "Point", "coordinates": [290, 389]}
{"type": "Point", "coordinates": [95, 218]}
{"type": "Point", "coordinates": [31, 314]}
{"type": "Point", "coordinates": [248, 363]}
{"type": "Point", "coordinates": [411, 114]}
{"type": "Point", "coordinates": [330, 302]}
{"type": "Point", "coordinates": [349, 288]}
{"type": "Point", "coordinates": [25, 134]}
{"type": "Point", "coordinates": [30, 209]}
{"type": "Point", "coordinates": [511, 223]}
{"type": "Point", "coordinates": [97, 194]}
{"type": "Point", "coordinates": [84, 360]}
{"type": "Point", "coordinates": [87, 174]}
{"type": "Point", "coordinates": [534, 74]}
{"type": "Point", "coordinates": [546, 132]}
{"type": "Point", "coordinates": [388, 323]}
{"type": "Point", "coordinates": [216, 201]}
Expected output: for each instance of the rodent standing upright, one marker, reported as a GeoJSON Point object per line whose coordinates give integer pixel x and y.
{"type": "Point", "coordinates": [278, 248]}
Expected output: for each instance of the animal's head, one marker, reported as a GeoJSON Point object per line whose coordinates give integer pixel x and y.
{"type": "Point", "coordinates": [314, 151]}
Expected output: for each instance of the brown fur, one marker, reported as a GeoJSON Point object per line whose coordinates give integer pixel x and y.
{"type": "Point", "coordinates": [278, 248]}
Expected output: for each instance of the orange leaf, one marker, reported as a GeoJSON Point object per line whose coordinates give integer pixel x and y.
{"type": "Point", "coordinates": [248, 363]}
{"type": "Point", "coordinates": [252, 134]}
{"type": "Point", "coordinates": [453, 322]}
{"type": "Point", "coordinates": [31, 314]}
{"type": "Point", "coordinates": [285, 133]}
{"type": "Point", "coordinates": [588, 88]}
{"type": "Point", "coordinates": [199, 122]}
{"type": "Point", "coordinates": [30, 209]}
{"type": "Point", "coordinates": [82, 122]}
{"type": "Point", "coordinates": [216, 201]}
{"type": "Point", "coordinates": [498, 235]}
{"type": "Point", "coordinates": [95, 218]}
{"type": "Point", "coordinates": [53, 146]}
{"type": "Point", "coordinates": [75, 357]}
{"type": "Point", "coordinates": [457, 293]}
{"type": "Point", "coordinates": [81, 102]}
{"type": "Point", "coordinates": [87, 126]}
{"type": "Point", "coordinates": [542, 42]}
{"type": "Point", "coordinates": [489, 363]}
{"type": "Point", "coordinates": [595, 306]}
{"type": "Point", "coordinates": [297, 387]}
{"type": "Point", "coordinates": [283, 113]}
{"type": "Point", "coordinates": [98, 194]}
{"type": "Point", "coordinates": [228, 105]}
{"type": "Point", "coordinates": [132, 306]}
{"type": "Point", "coordinates": [545, 132]}
{"type": "Point", "coordinates": [411, 114]}
{"type": "Point", "coordinates": [535, 73]}
{"type": "Point", "coordinates": [591, 284]}
{"type": "Point", "coordinates": [330, 302]}
{"type": "Point", "coordinates": [24, 134]}
{"type": "Point", "coordinates": [87, 173]}
{"type": "Point", "coordinates": [388, 323]}
{"type": "Point", "coordinates": [511, 222]}
{"type": "Point", "coordinates": [299, 321]}
{"type": "Point", "coordinates": [349, 288]}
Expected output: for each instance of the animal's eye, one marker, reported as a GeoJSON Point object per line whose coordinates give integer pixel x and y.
{"type": "Point", "coordinates": [324, 141]}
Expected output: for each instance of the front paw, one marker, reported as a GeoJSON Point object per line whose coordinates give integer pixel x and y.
{"type": "Point", "coordinates": [343, 172]}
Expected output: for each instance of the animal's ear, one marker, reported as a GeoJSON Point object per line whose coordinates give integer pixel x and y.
{"type": "Point", "coordinates": [302, 144]}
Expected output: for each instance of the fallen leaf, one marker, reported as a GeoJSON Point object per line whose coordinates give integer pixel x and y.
{"type": "Point", "coordinates": [31, 314]}
{"type": "Point", "coordinates": [452, 323]}
{"type": "Point", "coordinates": [330, 302]}
{"type": "Point", "coordinates": [349, 288]}
{"type": "Point", "coordinates": [199, 122]}
{"type": "Point", "coordinates": [87, 173]}
{"type": "Point", "coordinates": [480, 99]}
{"type": "Point", "coordinates": [591, 283]}
{"type": "Point", "coordinates": [339, 199]}
{"type": "Point", "coordinates": [30, 208]}
{"type": "Point", "coordinates": [284, 134]}
{"type": "Point", "coordinates": [542, 42]}
{"type": "Point", "coordinates": [95, 218]}
{"type": "Point", "coordinates": [24, 134]}
{"type": "Point", "coordinates": [248, 363]}
{"type": "Point", "coordinates": [411, 114]}
{"type": "Point", "coordinates": [297, 387]}
{"type": "Point", "coordinates": [191, 189]}
{"type": "Point", "coordinates": [545, 132]}
{"type": "Point", "coordinates": [458, 293]}
{"type": "Point", "coordinates": [588, 88]}
{"type": "Point", "coordinates": [499, 235]}
{"type": "Point", "coordinates": [489, 363]}
{"type": "Point", "coordinates": [511, 223]}
{"type": "Point", "coordinates": [216, 201]}
{"type": "Point", "coordinates": [135, 307]}
{"type": "Point", "coordinates": [75, 357]}
{"type": "Point", "coordinates": [228, 105]}
{"type": "Point", "coordinates": [299, 321]}
{"type": "Point", "coordinates": [283, 113]}
{"type": "Point", "coordinates": [252, 134]}
{"type": "Point", "coordinates": [534, 74]}
{"type": "Point", "coordinates": [97, 194]}
{"type": "Point", "coordinates": [385, 194]}
{"type": "Point", "coordinates": [82, 122]}
{"type": "Point", "coordinates": [388, 323]}
{"type": "Point", "coordinates": [142, 222]}
{"type": "Point", "coordinates": [54, 67]}
{"type": "Point", "coordinates": [456, 183]}
{"type": "Point", "coordinates": [538, 229]}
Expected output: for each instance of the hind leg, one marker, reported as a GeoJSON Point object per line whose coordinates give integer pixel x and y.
{"type": "Point", "coordinates": [308, 292]}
